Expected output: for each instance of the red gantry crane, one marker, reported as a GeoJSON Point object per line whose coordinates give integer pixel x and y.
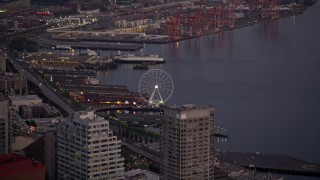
{"type": "Point", "coordinates": [213, 16]}
{"type": "Point", "coordinates": [233, 4]}
{"type": "Point", "coordinates": [220, 16]}
{"type": "Point", "coordinates": [269, 9]}
{"type": "Point", "coordinates": [193, 22]}
{"type": "Point", "coordinates": [173, 23]}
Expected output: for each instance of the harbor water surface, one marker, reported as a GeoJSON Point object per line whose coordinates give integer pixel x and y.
{"type": "Point", "coordinates": [264, 81]}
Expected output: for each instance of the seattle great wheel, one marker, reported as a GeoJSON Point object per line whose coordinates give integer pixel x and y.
{"type": "Point", "coordinates": [156, 86]}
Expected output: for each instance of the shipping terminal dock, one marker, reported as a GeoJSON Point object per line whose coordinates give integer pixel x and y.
{"type": "Point", "coordinates": [173, 22]}
{"type": "Point", "coordinates": [272, 163]}
{"type": "Point", "coordinates": [95, 45]}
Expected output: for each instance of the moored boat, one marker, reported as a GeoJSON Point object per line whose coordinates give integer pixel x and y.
{"type": "Point", "coordinates": [63, 47]}
{"type": "Point", "coordinates": [141, 58]}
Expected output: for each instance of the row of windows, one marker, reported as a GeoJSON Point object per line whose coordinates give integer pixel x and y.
{"type": "Point", "coordinates": [68, 173]}
{"type": "Point", "coordinates": [104, 168]}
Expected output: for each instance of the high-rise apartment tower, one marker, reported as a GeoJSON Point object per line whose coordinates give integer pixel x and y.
{"type": "Point", "coordinates": [87, 149]}
{"type": "Point", "coordinates": [187, 143]}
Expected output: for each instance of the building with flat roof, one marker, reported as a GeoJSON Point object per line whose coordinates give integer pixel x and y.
{"type": "Point", "coordinates": [88, 149]}
{"type": "Point", "coordinates": [25, 112]}
{"type": "Point", "coordinates": [187, 143]}
{"type": "Point", "coordinates": [38, 111]}
{"type": "Point", "coordinates": [20, 142]}
{"type": "Point", "coordinates": [139, 174]}
{"type": "Point", "coordinates": [27, 100]}
{"type": "Point", "coordinates": [14, 166]}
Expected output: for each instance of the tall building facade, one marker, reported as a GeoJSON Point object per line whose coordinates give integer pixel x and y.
{"type": "Point", "coordinates": [50, 139]}
{"type": "Point", "coordinates": [11, 83]}
{"type": "Point", "coordinates": [187, 143]}
{"type": "Point", "coordinates": [87, 149]}
{"type": "Point", "coordinates": [2, 61]}
{"type": "Point", "coordinates": [4, 126]}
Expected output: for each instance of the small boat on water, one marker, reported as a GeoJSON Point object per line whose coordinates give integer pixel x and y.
{"type": "Point", "coordinates": [88, 52]}
{"type": "Point", "coordinates": [141, 58]}
{"type": "Point", "coordinates": [62, 47]}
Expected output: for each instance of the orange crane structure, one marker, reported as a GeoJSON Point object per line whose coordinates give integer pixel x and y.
{"type": "Point", "coordinates": [173, 24]}
{"type": "Point", "coordinates": [228, 13]}
{"type": "Point", "coordinates": [233, 4]}
{"type": "Point", "coordinates": [194, 22]}
{"type": "Point", "coordinates": [191, 24]}
{"type": "Point", "coordinates": [200, 20]}
{"type": "Point", "coordinates": [220, 16]}
{"type": "Point", "coordinates": [213, 16]}
{"type": "Point", "coordinates": [269, 9]}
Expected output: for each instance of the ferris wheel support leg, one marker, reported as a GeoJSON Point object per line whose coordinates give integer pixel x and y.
{"type": "Point", "coordinates": [161, 100]}
{"type": "Point", "coordinates": [151, 96]}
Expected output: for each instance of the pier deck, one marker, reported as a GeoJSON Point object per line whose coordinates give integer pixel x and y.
{"type": "Point", "coordinates": [271, 163]}
{"type": "Point", "coordinates": [104, 46]}
{"type": "Point", "coordinates": [95, 45]}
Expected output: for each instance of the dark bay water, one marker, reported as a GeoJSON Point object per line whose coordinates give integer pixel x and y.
{"type": "Point", "coordinates": [264, 81]}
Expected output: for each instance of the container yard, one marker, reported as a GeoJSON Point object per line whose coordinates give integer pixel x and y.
{"type": "Point", "coordinates": [176, 21]}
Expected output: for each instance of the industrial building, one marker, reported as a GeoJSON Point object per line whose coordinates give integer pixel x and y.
{"type": "Point", "coordinates": [187, 143]}
{"type": "Point", "coordinates": [87, 149]}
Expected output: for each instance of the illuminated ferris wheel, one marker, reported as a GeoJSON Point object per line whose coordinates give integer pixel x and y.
{"type": "Point", "coordinates": [156, 86]}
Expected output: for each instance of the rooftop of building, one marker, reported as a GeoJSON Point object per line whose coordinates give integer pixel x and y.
{"type": "Point", "coordinates": [68, 72]}
{"type": "Point", "coordinates": [86, 116]}
{"type": "Point", "coordinates": [147, 174]}
{"type": "Point", "coordinates": [36, 150]}
{"type": "Point", "coordinates": [9, 75]}
{"type": "Point", "coordinates": [45, 106]}
{"type": "Point", "coordinates": [24, 97]}
{"type": "Point", "coordinates": [13, 163]}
